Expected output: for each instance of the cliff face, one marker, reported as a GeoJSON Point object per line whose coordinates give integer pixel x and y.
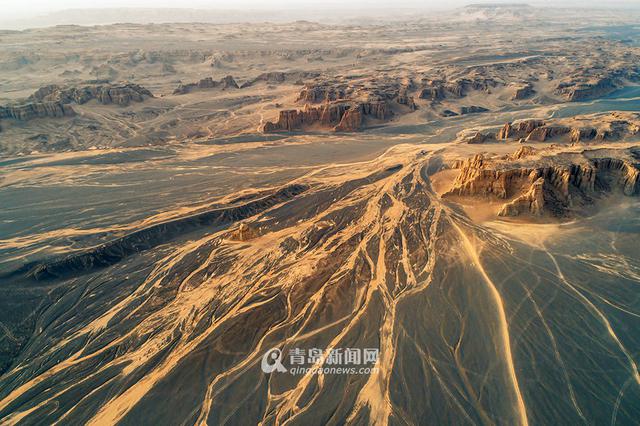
{"type": "Point", "coordinates": [541, 134]}
{"type": "Point", "coordinates": [531, 202]}
{"type": "Point", "coordinates": [322, 93]}
{"type": "Point", "coordinates": [521, 129]}
{"type": "Point", "coordinates": [36, 110]}
{"type": "Point", "coordinates": [227, 82]}
{"type": "Point", "coordinates": [596, 82]}
{"type": "Point", "coordinates": [557, 187]}
{"type": "Point", "coordinates": [539, 131]}
{"type": "Point", "coordinates": [523, 91]}
{"type": "Point", "coordinates": [578, 91]}
{"type": "Point", "coordinates": [436, 90]}
{"type": "Point", "coordinates": [404, 99]}
{"type": "Point", "coordinates": [105, 94]}
{"type": "Point", "coordinates": [351, 120]}
{"type": "Point", "coordinates": [342, 117]}
{"type": "Point", "coordinates": [583, 134]}
{"type": "Point", "coordinates": [473, 109]}
{"type": "Point", "coordinates": [288, 120]}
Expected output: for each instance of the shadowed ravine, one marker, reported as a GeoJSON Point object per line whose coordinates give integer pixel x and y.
{"type": "Point", "coordinates": [474, 325]}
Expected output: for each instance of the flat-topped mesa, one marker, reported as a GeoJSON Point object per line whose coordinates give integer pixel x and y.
{"type": "Point", "coordinates": [534, 131]}
{"type": "Point", "coordinates": [354, 118]}
{"type": "Point", "coordinates": [227, 82]}
{"type": "Point", "coordinates": [122, 94]}
{"type": "Point", "coordinates": [541, 134]}
{"type": "Point", "coordinates": [323, 93]}
{"type": "Point", "coordinates": [436, 90]}
{"type": "Point", "coordinates": [597, 81]}
{"type": "Point", "coordinates": [33, 110]}
{"type": "Point", "coordinates": [279, 77]}
{"type": "Point", "coordinates": [614, 127]}
{"type": "Point", "coordinates": [560, 185]}
{"type": "Point", "coordinates": [342, 117]}
{"type": "Point", "coordinates": [290, 120]}
{"type": "Point", "coordinates": [579, 91]}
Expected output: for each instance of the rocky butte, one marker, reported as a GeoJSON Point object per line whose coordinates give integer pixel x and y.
{"type": "Point", "coordinates": [556, 184]}
{"type": "Point", "coordinates": [122, 94]}
{"type": "Point", "coordinates": [341, 117]}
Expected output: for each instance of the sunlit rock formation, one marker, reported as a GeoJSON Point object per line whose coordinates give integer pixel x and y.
{"type": "Point", "coordinates": [106, 94]}
{"type": "Point", "coordinates": [343, 117]}
{"type": "Point", "coordinates": [32, 110]}
{"type": "Point", "coordinates": [557, 185]}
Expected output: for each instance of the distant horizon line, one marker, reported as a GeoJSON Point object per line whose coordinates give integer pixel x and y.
{"type": "Point", "coordinates": [276, 15]}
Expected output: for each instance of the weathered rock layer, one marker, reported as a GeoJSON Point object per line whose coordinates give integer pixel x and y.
{"type": "Point", "coordinates": [558, 186]}
{"type": "Point", "coordinates": [106, 94]}
{"type": "Point", "coordinates": [342, 117]}
{"type": "Point", "coordinates": [36, 110]}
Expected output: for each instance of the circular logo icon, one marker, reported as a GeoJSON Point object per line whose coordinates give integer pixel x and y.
{"type": "Point", "coordinates": [272, 361]}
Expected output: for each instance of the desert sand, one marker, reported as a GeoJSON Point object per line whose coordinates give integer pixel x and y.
{"type": "Point", "coordinates": [458, 191]}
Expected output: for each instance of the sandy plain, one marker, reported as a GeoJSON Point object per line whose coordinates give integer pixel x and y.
{"type": "Point", "coordinates": [153, 247]}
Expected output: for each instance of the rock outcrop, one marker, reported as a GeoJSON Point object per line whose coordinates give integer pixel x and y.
{"type": "Point", "coordinates": [36, 110]}
{"type": "Point", "coordinates": [245, 232]}
{"type": "Point", "coordinates": [597, 81]}
{"type": "Point", "coordinates": [279, 77]}
{"type": "Point", "coordinates": [403, 98]}
{"type": "Point", "coordinates": [121, 95]}
{"type": "Point", "coordinates": [532, 202]}
{"type": "Point", "coordinates": [473, 109]}
{"type": "Point", "coordinates": [522, 91]}
{"type": "Point", "coordinates": [351, 121]}
{"type": "Point", "coordinates": [579, 91]}
{"type": "Point", "coordinates": [614, 126]}
{"type": "Point", "coordinates": [436, 90]}
{"type": "Point", "coordinates": [560, 185]}
{"type": "Point", "coordinates": [227, 82]}
{"type": "Point", "coordinates": [343, 117]}
{"type": "Point", "coordinates": [583, 134]}
{"type": "Point", "coordinates": [433, 92]}
{"type": "Point", "coordinates": [477, 138]}
{"type": "Point", "coordinates": [523, 152]}
{"type": "Point", "coordinates": [541, 134]}
{"type": "Point", "coordinates": [322, 93]}
{"type": "Point", "coordinates": [521, 129]}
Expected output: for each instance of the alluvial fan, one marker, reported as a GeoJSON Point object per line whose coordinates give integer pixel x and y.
{"type": "Point", "coordinates": [471, 324]}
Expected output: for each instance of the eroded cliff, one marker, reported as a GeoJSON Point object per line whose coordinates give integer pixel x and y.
{"type": "Point", "coordinates": [557, 185]}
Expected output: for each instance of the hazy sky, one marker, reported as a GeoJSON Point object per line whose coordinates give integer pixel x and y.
{"type": "Point", "coordinates": [23, 8]}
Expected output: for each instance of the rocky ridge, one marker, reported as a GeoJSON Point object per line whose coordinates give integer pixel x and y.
{"type": "Point", "coordinates": [597, 82]}
{"type": "Point", "coordinates": [33, 110]}
{"type": "Point", "coordinates": [121, 94]}
{"type": "Point", "coordinates": [345, 107]}
{"type": "Point", "coordinates": [341, 116]}
{"type": "Point", "coordinates": [227, 82]}
{"type": "Point", "coordinates": [439, 89]}
{"type": "Point", "coordinates": [614, 126]}
{"type": "Point", "coordinates": [556, 185]}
